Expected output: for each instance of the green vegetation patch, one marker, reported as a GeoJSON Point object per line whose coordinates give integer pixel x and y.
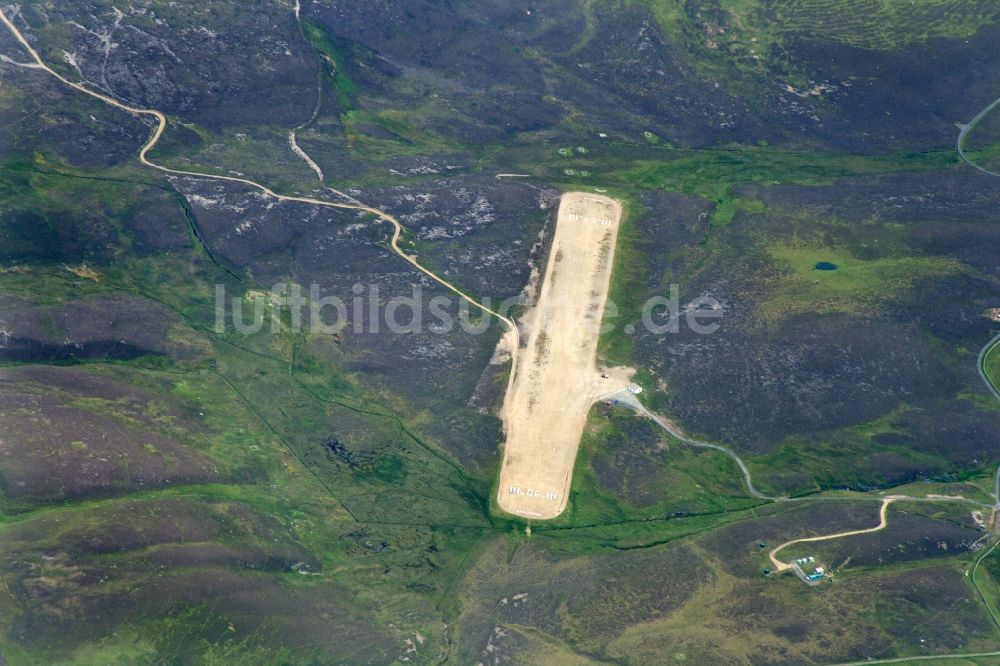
{"type": "Point", "coordinates": [750, 37]}
{"type": "Point", "coordinates": [871, 455]}
{"type": "Point", "coordinates": [708, 172]}
{"type": "Point", "coordinates": [336, 57]}
{"type": "Point", "coordinates": [855, 287]}
{"type": "Point", "coordinates": [624, 290]}
{"type": "Point", "coordinates": [878, 24]}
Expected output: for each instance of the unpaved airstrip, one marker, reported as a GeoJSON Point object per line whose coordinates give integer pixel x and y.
{"type": "Point", "coordinates": [557, 379]}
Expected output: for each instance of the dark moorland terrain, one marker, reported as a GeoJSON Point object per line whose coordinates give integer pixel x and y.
{"type": "Point", "coordinates": [173, 491]}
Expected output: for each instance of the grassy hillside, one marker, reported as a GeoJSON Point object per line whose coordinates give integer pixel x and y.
{"type": "Point", "coordinates": [176, 492]}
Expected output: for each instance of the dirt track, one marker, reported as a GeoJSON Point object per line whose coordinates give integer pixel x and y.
{"type": "Point", "coordinates": [882, 522]}
{"type": "Point", "coordinates": [161, 124]}
{"type": "Point", "coordinates": [557, 378]}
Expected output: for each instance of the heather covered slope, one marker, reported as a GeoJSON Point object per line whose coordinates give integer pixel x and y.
{"type": "Point", "coordinates": [173, 493]}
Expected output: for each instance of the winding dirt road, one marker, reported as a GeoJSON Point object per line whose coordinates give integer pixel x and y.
{"type": "Point", "coordinates": [964, 132]}
{"type": "Point", "coordinates": [557, 470]}
{"type": "Point", "coordinates": [625, 398]}
{"type": "Point", "coordinates": [882, 522]}
{"type": "Point", "coordinates": [513, 334]}
{"type": "Point", "coordinates": [157, 134]}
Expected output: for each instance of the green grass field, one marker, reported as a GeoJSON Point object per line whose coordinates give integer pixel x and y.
{"type": "Point", "coordinates": [857, 286]}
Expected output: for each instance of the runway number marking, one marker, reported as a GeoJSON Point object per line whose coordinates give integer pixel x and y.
{"type": "Point", "coordinates": [604, 222]}
{"type": "Point", "coordinates": [531, 492]}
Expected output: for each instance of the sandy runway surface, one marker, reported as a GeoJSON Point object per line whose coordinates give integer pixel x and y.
{"type": "Point", "coordinates": [557, 378]}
